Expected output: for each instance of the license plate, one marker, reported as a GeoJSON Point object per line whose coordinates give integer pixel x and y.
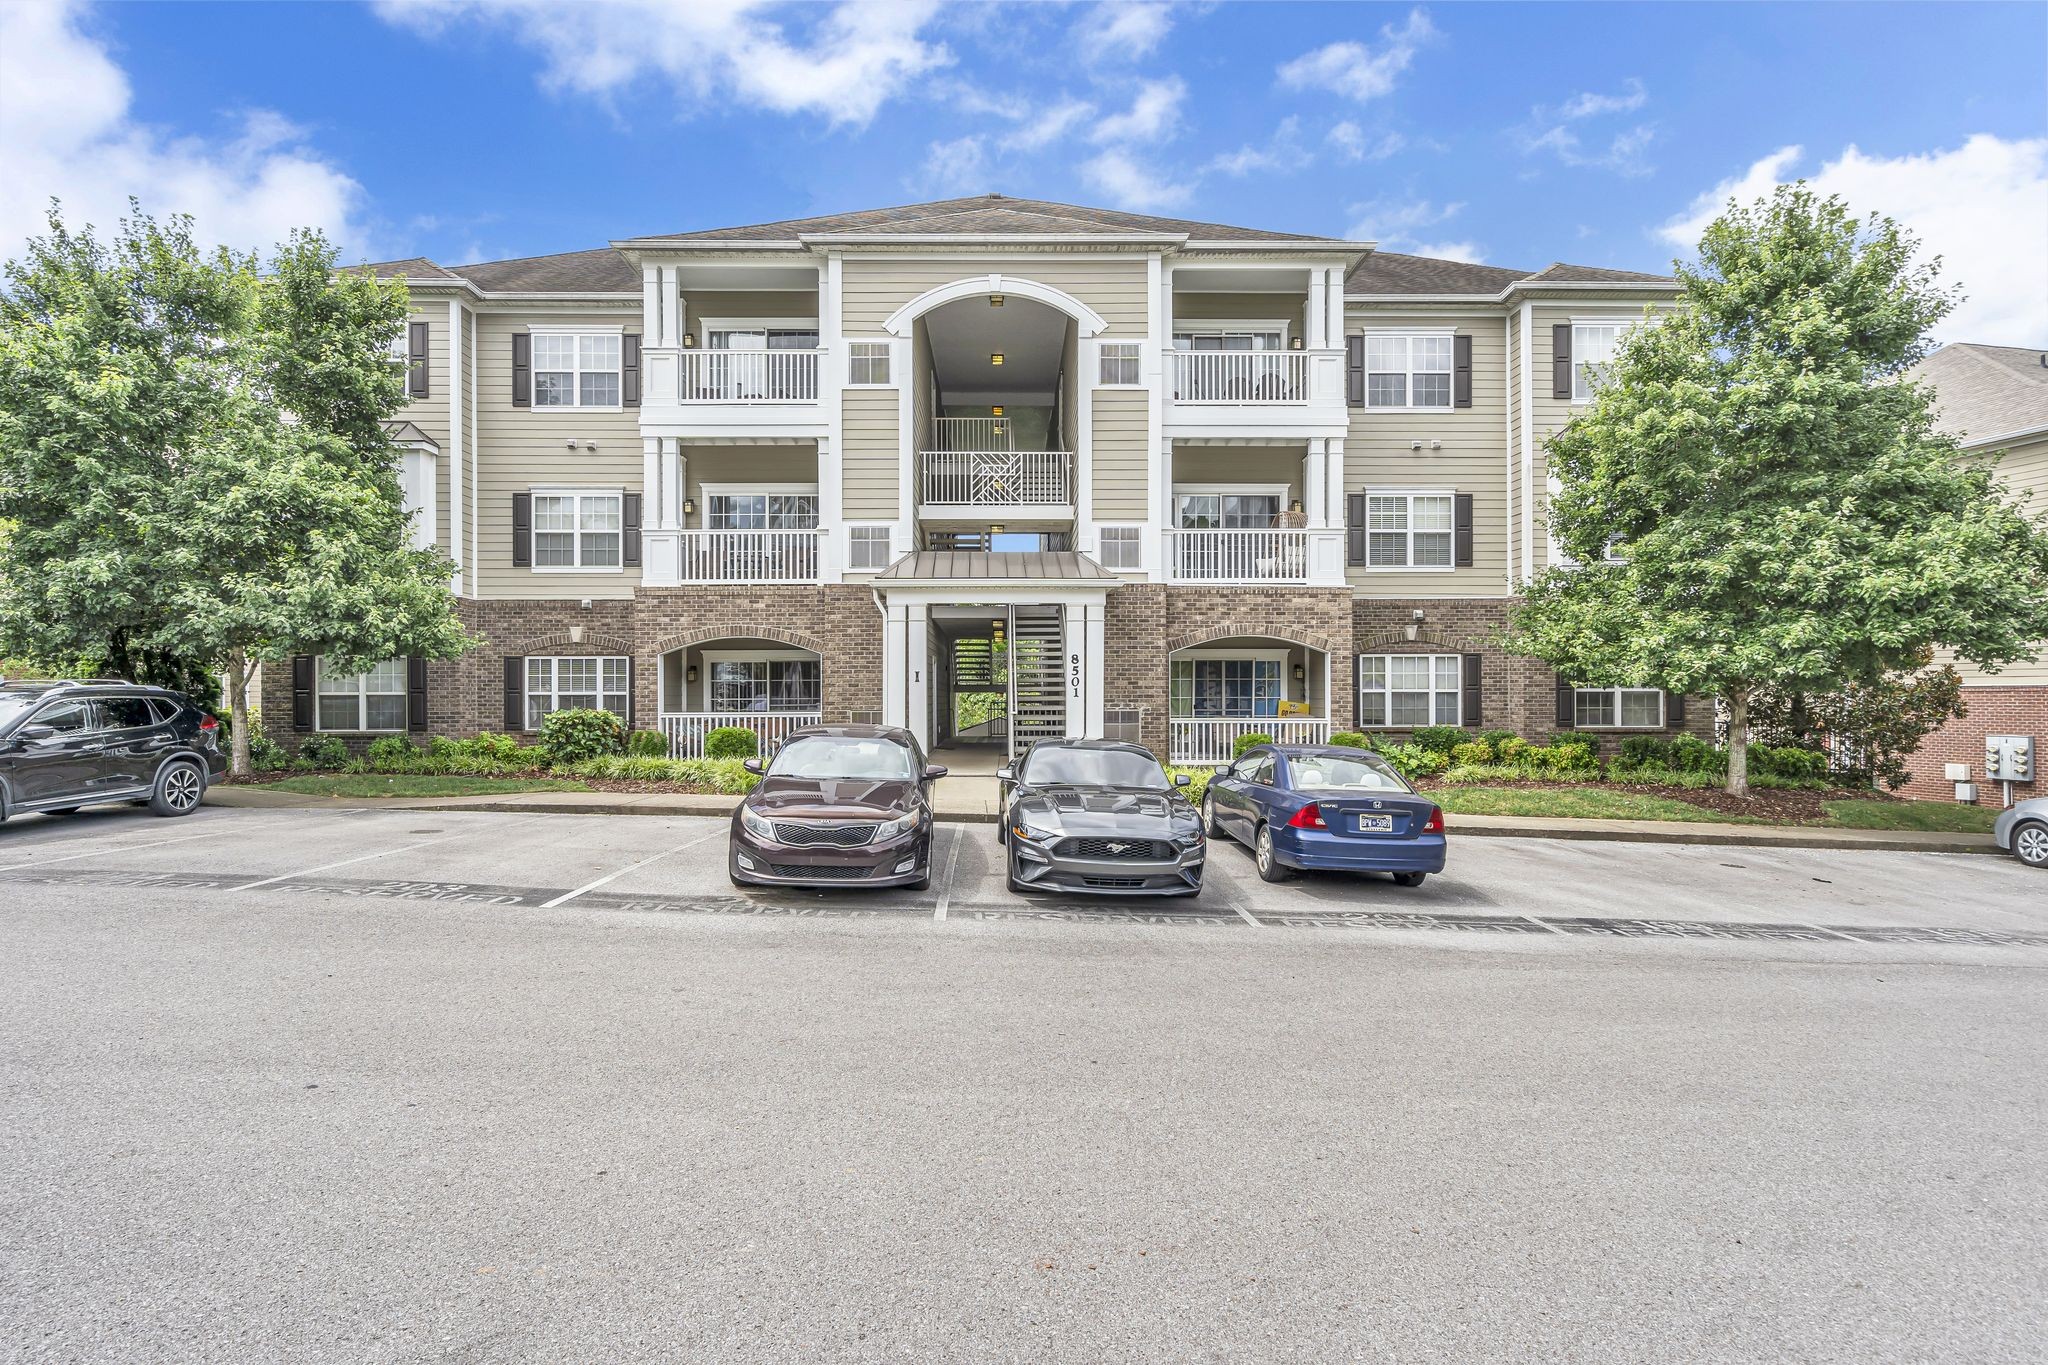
{"type": "Point", "coordinates": [1375, 824]}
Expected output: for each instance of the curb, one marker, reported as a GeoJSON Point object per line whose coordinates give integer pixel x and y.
{"type": "Point", "coordinates": [1729, 837]}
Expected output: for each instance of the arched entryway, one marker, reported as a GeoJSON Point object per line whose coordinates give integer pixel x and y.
{"type": "Point", "coordinates": [764, 685]}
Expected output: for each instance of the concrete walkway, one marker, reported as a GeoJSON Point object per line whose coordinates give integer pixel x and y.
{"type": "Point", "coordinates": [972, 800]}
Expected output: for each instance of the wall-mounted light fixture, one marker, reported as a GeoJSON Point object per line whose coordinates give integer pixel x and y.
{"type": "Point", "coordinates": [689, 339]}
{"type": "Point", "coordinates": [996, 411]}
{"type": "Point", "coordinates": [689, 507]}
{"type": "Point", "coordinates": [1297, 343]}
{"type": "Point", "coordinates": [995, 530]}
{"type": "Point", "coordinates": [995, 358]}
{"type": "Point", "coordinates": [1294, 506]}
{"type": "Point", "coordinates": [690, 673]}
{"type": "Point", "coordinates": [1299, 673]}
{"type": "Point", "coordinates": [1415, 620]}
{"type": "Point", "coordinates": [995, 300]}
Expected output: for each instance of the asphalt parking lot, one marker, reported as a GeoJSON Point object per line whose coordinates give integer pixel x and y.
{"type": "Point", "coordinates": [401, 1085]}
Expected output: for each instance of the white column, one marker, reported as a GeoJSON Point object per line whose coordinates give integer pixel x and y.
{"type": "Point", "coordinates": [902, 354]}
{"type": "Point", "coordinates": [674, 472]}
{"type": "Point", "coordinates": [1316, 333]}
{"type": "Point", "coordinates": [895, 675]}
{"type": "Point", "coordinates": [650, 305]}
{"type": "Point", "coordinates": [1097, 666]}
{"type": "Point", "coordinates": [1315, 470]}
{"type": "Point", "coordinates": [1073, 669]}
{"type": "Point", "coordinates": [918, 664]}
{"type": "Point", "coordinates": [455, 443]}
{"type": "Point", "coordinates": [1334, 313]}
{"type": "Point", "coordinates": [650, 481]}
{"type": "Point", "coordinates": [671, 307]}
{"type": "Point", "coordinates": [1088, 360]}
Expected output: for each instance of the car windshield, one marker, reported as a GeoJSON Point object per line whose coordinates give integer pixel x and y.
{"type": "Point", "coordinates": [1063, 767]}
{"type": "Point", "coordinates": [1331, 773]}
{"type": "Point", "coordinates": [822, 756]}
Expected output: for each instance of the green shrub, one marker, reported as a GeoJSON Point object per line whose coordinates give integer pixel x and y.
{"type": "Point", "coordinates": [1472, 751]}
{"type": "Point", "coordinates": [487, 745]}
{"type": "Point", "coordinates": [1439, 739]}
{"type": "Point", "coordinates": [647, 744]}
{"type": "Point", "coordinates": [1413, 761]}
{"type": "Point", "coordinates": [1247, 741]}
{"type": "Point", "coordinates": [724, 776]}
{"type": "Point", "coordinates": [1350, 739]}
{"type": "Point", "coordinates": [394, 753]}
{"type": "Point", "coordinates": [1513, 751]}
{"type": "Point", "coordinates": [731, 741]}
{"type": "Point", "coordinates": [1198, 781]}
{"type": "Point", "coordinates": [1496, 737]}
{"type": "Point", "coordinates": [1563, 756]}
{"type": "Point", "coordinates": [577, 733]}
{"type": "Point", "coordinates": [1468, 774]}
{"type": "Point", "coordinates": [1691, 754]}
{"type": "Point", "coordinates": [266, 755]}
{"type": "Point", "coordinates": [1789, 762]}
{"type": "Point", "coordinates": [323, 751]}
{"type": "Point", "coordinates": [1646, 751]}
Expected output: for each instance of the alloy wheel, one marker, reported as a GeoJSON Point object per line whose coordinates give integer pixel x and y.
{"type": "Point", "coordinates": [181, 787]}
{"type": "Point", "coordinates": [1264, 851]}
{"type": "Point", "coordinates": [2031, 845]}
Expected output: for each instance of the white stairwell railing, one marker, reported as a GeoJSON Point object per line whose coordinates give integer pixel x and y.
{"type": "Point", "coordinates": [747, 376]}
{"type": "Point", "coordinates": [973, 433]}
{"type": "Point", "coordinates": [686, 729]}
{"type": "Point", "coordinates": [996, 478]}
{"type": "Point", "coordinates": [1215, 741]}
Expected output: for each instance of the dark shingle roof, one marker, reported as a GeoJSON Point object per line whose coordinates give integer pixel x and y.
{"type": "Point", "coordinates": [603, 271]}
{"type": "Point", "coordinates": [983, 215]}
{"type": "Point", "coordinates": [416, 268]}
{"type": "Point", "coordinates": [1560, 273]}
{"type": "Point", "coordinates": [1985, 392]}
{"type": "Point", "coordinates": [1389, 272]}
{"type": "Point", "coordinates": [926, 565]}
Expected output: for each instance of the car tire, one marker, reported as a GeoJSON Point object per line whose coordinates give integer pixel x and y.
{"type": "Point", "coordinates": [2030, 843]}
{"type": "Point", "coordinates": [1410, 878]}
{"type": "Point", "coordinates": [1267, 859]}
{"type": "Point", "coordinates": [180, 787]}
{"type": "Point", "coordinates": [1209, 825]}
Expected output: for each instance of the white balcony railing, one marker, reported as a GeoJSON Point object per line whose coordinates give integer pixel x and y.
{"type": "Point", "coordinates": [997, 478]}
{"type": "Point", "coordinates": [1277, 555]}
{"type": "Point", "coordinates": [686, 729]}
{"type": "Point", "coordinates": [1214, 741]}
{"type": "Point", "coordinates": [747, 376]}
{"type": "Point", "coordinates": [1240, 376]}
{"type": "Point", "coordinates": [747, 556]}
{"type": "Point", "coordinates": [973, 433]}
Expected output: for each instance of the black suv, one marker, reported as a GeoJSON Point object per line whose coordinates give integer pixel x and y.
{"type": "Point", "coordinates": [69, 744]}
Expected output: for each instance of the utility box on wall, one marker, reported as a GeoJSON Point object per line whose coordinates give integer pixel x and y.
{"type": "Point", "coordinates": [2009, 758]}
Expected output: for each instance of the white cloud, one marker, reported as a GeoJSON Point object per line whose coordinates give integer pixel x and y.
{"type": "Point", "coordinates": [66, 131]}
{"type": "Point", "coordinates": [1588, 105]}
{"type": "Point", "coordinates": [1154, 114]}
{"type": "Point", "coordinates": [1282, 152]}
{"type": "Point", "coordinates": [1353, 70]}
{"type": "Point", "coordinates": [1349, 143]}
{"type": "Point", "coordinates": [1980, 207]}
{"type": "Point", "coordinates": [953, 167]}
{"type": "Point", "coordinates": [850, 62]}
{"type": "Point", "coordinates": [1551, 130]}
{"type": "Point", "coordinates": [1395, 223]}
{"type": "Point", "coordinates": [1047, 127]}
{"type": "Point", "coordinates": [1122, 31]}
{"type": "Point", "coordinates": [1131, 185]}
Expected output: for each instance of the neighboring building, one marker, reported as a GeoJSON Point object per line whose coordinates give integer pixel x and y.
{"type": "Point", "coordinates": [1994, 401]}
{"type": "Point", "coordinates": [1091, 472]}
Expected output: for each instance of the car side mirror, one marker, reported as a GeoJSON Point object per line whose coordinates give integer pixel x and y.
{"type": "Point", "coordinates": [1182, 780]}
{"type": "Point", "coordinates": [35, 734]}
{"type": "Point", "coordinates": [752, 765]}
{"type": "Point", "coordinates": [1222, 770]}
{"type": "Point", "coordinates": [1006, 773]}
{"type": "Point", "coordinates": [933, 771]}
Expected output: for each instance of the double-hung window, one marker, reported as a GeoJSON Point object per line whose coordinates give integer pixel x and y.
{"type": "Point", "coordinates": [1618, 708]}
{"type": "Point", "coordinates": [1593, 348]}
{"type": "Point", "coordinates": [597, 684]}
{"type": "Point", "coordinates": [1223, 688]}
{"type": "Point", "coordinates": [373, 699]}
{"type": "Point", "coordinates": [576, 530]}
{"type": "Point", "coordinates": [766, 684]}
{"type": "Point", "coordinates": [1402, 691]}
{"type": "Point", "coordinates": [1407, 371]}
{"type": "Point", "coordinates": [1410, 530]}
{"type": "Point", "coordinates": [761, 511]}
{"type": "Point", "coordinates": [576, 369]}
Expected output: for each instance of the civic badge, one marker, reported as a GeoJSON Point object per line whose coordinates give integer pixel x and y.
{"type": "Point", "coordinates": [1376, 805]}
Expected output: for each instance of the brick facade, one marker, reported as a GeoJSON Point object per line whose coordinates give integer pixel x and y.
{"type": "Point", "coordinates": [2019, 710]}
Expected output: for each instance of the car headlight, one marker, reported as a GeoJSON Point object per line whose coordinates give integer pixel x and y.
{"type": "Point", "coordinates": [1032, 832]}
{"type": "Point", "coordinates": [756, 824]}
{"type": "Point", "coordinates": [902, 824]}
{"type": "Point", "coordinates": [1189, 840]}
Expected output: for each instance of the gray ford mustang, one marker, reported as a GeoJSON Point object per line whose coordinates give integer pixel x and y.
{"type": "Point", "coordinates": [1099, 817]}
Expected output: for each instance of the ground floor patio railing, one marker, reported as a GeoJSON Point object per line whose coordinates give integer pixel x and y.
{"type": "Point", "coordinates": [1199, 741]}
{"type": "Point", "coordinates": [686, 729]}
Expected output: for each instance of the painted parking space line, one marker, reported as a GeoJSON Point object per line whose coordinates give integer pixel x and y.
{"type": "Point", "coordinates": [952, 865]}
{"type": "Point", "coordinates": [346, 862]}
{"type": "Point", "coordinates": [610, 877]}
{"type": "Point", "coordinates": [114, 848]}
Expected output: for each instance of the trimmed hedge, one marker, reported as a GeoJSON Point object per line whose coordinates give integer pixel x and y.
{"type": "Point", "coordinates": [647, 744]}
{"type": "Point", "coordinates": [1350, 739]}
{"type": "Point", "coordinates": [578, 733]}
{"type": "Point", "coordinates": [731, 741]}
{"type": "Point", "coordinates": [1247, 741]}
{"type": "Point", "coordinates": [323, 751]}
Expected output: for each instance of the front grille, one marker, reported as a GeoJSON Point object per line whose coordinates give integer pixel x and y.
{"type": "Point", "coordinates": [838, 836]}
{"type": "Point", "coordinates": [1114, 883]}
{"type": "Point", "coordinates": [820, 872]}
{"type": "Point", "coordinates": [1114, 850]}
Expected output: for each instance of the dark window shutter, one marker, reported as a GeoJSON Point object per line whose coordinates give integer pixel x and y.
{"type": "Point", "coordinates": [302, 691]}
{"type": "Point", "coordinates": [416, 693]}
{"type": "Point", "coordinates": [1354, 528]}
{"type": "Point", "coordinates": [515, 693]}
{"type": "Point", "coordinates": [629, 528]}
{"type": "Point", "coordinates": [1461, 371]}
{"type": "Point", "coordinates": [1567, 705]}
{"type": "Point", "coordinates": [1674, 710]}
{"type": "Point", "coordinates": [416, 360]}
{"type": "Point", "coordinates": [522, 530]}
{"type": "Point", "coordinates": [1461, 530]}
{"type": "Point", "coordinates": [1561, 360]}
{"type": "Point", "coordinates": [522, 370]}
{"type": "Point", "coordinates": [1354, 371]}
{"type": "Point", "coordinates": [629, 375]}
{"type": "Point", "coordinates": [1471, 712]}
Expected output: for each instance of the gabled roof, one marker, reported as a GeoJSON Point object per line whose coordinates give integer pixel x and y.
{"type": "Point", "coordinates": [1390, 272]}
{"type": "Point", "coordinates": [1560, 273]}
{"type": "Point", "coordinates": [413, 268]}
{"type": "Point", "coordinates": [983, 215]}
{"type": "Point", "coordinates": [1985, 393]}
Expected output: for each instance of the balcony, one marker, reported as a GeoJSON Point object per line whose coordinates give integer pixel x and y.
{"type": "Point", "coordinates": [1269, 555]}
{"type": "Point", "coordinates": [996, 479]}
{"type": "Point", "coordinates": [711, 392]}
{"type": "Point", "coordinates": [677, 557]}
{"type": "Point", "coordinates": [1214, 741]}
{"type": "Point", "coordinates": [1230, 393]}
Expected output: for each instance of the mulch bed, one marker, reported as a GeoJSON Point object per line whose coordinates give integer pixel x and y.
{"type": "Point", "coordinates": [596, 784]}
{"type": "Point", "coordinates": [1762, 803]}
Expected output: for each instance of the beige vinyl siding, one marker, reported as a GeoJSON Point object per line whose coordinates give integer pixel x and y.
{"type": "Point", "coordinates": [1511, 465]}
{"type": "Point", "coordinates": [1251, 468]}
{"type": "Point", "coordinates": [1473, 459]}
{"type": "Point", "coordinates": [869, 461]}
{"type": "Point", "coordinates": [519, 449]}
{"type": "Point", "coordinates": [1287, 309]}
{"type": "Point", "coordinates": [709, 305]}
{"type": "Point", "coordinates": [431, 414]}
{"type": "Point", "coordinates": [873, 287]}
{"type": "Point", "coordinates": [743, 466]}
{"type": "Point", "coordinates": [1117, 446]}
{"type": "Point", "coordinates": [452, 516]}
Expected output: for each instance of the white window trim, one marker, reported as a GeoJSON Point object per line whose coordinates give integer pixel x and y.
{"type": "Point", "coordinates": [1663, 721]}
{"type": "Point", "coordinates": [1434, 333]}
{"type": "Point", "coordinates": [888, 354]}
{"type": "Point", "coordinates": [1137, 542]}
{"type": "Point", "coordinates": [1620, 324]}
{"type": "Point", "coordinates": [707, 491]}
{"type": "Point", "coordinates": [888, 529]}
{"type": "Point", "coordinates": [1221, 326]}
{"type": "Point", "coordinates": [706, 326]}
{"type": "Point", "coordinates": [554, 690]}
{"type": "Point", "coordinates": [617, 329]}
{"type": "Point", "coordinates": [1138, 353]}
{"type": "Point", "coordinates": [1358, 674]}
{"type": "Point", "coordinates": [1208, 490]}
{"type": "Point", "coordinates": [362, 696]}
{"type": "Point", "coordinates": [1411, 494]}
{"type": "Point", "coordinates": [1199, 655]}
{"type": "Point", "coordinates": [532, 550]}
{"type": "Point", "coordinates": [755, 656]}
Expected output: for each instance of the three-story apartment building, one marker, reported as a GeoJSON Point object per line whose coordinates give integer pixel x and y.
{"type": "Point", "coordinates": [993, 469]}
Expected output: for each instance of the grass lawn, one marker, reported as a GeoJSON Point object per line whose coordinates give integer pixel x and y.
{"type": "Point", "coordinates": [1944, 817]}
{"type": "Point", "coordinates": [405, 784]}
{"type": "Point", "coordinates": [1587, 802]}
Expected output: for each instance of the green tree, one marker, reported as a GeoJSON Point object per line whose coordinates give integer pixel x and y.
{"type": "Point", "coordinates": [1780, 510]}
{"type": "Point", "coordinates": [193, 464]}
{"type": "Point", "coordinates": [1875, 724]}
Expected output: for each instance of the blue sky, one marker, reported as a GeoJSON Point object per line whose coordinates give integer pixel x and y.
{"type": "Point", "coordinates": [1514, 134]}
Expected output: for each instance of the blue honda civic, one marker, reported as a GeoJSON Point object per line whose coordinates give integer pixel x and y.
{"type": "Point", "coordinates": [1310, 806]}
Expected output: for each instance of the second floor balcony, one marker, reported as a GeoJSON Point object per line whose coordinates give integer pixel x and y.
{"type": "Point", "coordinates": [765, 390]}
{"type": "Point", "coordinates": [971, 463]}
{"type": "Point", "coordinates": [688, 557]}
{"type": "Point", "coordinates": [1279, 554]}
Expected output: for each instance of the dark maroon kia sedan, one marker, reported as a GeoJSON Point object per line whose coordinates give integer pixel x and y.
{"type": "Point", "coordinates": [838, 805]}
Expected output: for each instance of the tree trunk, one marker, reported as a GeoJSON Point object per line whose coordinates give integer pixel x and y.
{"type": "Point", "coordinates": [1738, 744]}
{"type": "Point", "coordinates": [238, 713]}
